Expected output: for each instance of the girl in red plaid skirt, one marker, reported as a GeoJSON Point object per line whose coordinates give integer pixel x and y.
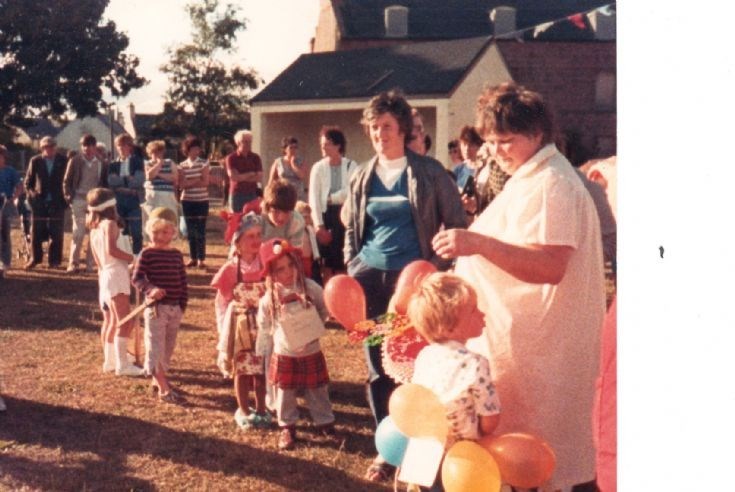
{"type": "Point", "coordinates": [290, 317]}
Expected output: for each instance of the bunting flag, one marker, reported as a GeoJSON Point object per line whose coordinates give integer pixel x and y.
{"type": "Point", "coordinates": [577, 20]}
{"type": "Point", "coordinates": [541, 28]}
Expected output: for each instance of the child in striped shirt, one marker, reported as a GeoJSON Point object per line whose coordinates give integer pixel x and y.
{"type": "Point", "coordinates": [160, 274]}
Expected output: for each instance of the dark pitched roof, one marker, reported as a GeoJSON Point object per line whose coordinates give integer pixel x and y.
{"type": "Point", "coordinates": [41, 127]}
{"type": "Point", "coordinates": [144, 123]}
{"type": "Point", "coordinates": [116, 126]}
{"type": "Point", "coordinates": [451, 19]}
{"type": "Point", "coordinates": [431, 68]}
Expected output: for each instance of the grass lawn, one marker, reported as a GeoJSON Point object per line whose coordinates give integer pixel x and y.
{"type": "Point", "coordinates": [69, 427]}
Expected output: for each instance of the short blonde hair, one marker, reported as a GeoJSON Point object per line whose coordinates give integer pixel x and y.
{"type": "Point", "coordinates": [154, 146]}
{"type": "Point", "coordinates": [435, 308]}
{"type": "Point", "coordinates": [152, 225]}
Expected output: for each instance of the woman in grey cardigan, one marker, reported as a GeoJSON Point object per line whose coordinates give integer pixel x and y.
{"type": "Point", "coordinates": [398, 201]}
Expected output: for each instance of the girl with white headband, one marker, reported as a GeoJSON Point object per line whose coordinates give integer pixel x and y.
{"type": "Point", "coordinates": [114, 280]}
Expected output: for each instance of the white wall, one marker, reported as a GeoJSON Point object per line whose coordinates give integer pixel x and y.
{"type": "Point", "coordinates": [489, 69]}
{"type": "Point", "coordinates": [71, 134]}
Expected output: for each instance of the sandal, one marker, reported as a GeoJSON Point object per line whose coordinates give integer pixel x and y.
{"type": "Point", "coordinates": [379, 471]}
{"type": "Point", "coordinates": [171, 397]}
{"type": "Point", "coordinates": [242, 420]}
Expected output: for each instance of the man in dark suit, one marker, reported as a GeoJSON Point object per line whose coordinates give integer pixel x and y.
{"type": "Point", "coordinates": [44, 187]}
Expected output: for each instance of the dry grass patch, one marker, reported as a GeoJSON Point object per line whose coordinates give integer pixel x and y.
{"type": "Point", "coordinates": [69, 427]}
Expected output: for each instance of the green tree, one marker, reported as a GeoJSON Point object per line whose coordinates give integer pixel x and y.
{"type": "Point", "coordinates": [57, 56]}
{"type": "Point", "coordinates": [205, 95]}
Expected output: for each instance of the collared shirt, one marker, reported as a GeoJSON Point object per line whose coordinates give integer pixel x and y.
{"type": "Point", "coordinates": [247, 163]}
{"type": "Point", "coordinates": [49, 165]}
{"type": "Point", "coordinates": [125, 168]}
{"type": "Point", "coordinates": [532, 328]}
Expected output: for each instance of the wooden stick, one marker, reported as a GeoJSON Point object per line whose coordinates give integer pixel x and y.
{"type": "Point", "coordinates": [135, 312]}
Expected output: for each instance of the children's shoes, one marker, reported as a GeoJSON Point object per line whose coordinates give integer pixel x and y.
{"type": "Point", "coordinates": [253, 420]}
{"type": "Point", "coordinates": [241, 419]}
{"type": "Point", "coordinates": [286, 438]}
{"type": "Point", "coordinates": [259, 421]}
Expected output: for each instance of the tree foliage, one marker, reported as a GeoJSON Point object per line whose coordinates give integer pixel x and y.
{"type": "Point", "coordinates": [207, 97]}
{"type": "Point", "coordinates": [57, 55]}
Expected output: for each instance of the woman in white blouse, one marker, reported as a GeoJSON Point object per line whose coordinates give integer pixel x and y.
{"type": "Point", "coordinates": [328, 188]}
{"type": "Point", "coordinates": [534, 256]}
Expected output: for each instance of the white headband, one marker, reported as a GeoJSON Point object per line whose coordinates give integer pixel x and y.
{"type": "Point", "coordinates": [99, 208]}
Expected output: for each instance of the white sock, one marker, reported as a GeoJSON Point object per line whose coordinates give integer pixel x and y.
{"type": "Point", "coordinates": [110, 358]}
{"type": "Point", "coordinates": [121, 351]}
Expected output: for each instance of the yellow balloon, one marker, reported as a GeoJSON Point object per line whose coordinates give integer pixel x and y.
{"type": "Point", "coordinates": [468, 467]}
{"type": "Point", "coordinates": [417, 412]}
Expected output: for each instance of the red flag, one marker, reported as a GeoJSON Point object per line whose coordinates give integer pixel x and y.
{"type": "Point", "coordinates": [577, 20]}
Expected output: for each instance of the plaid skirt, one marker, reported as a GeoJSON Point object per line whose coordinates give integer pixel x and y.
{"type": "Point", "coordinates": [306, 372]}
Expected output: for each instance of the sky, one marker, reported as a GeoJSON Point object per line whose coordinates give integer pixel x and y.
{"type": "Point", "coordinates": [278, 31]}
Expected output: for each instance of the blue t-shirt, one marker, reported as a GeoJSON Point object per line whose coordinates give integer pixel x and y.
{"type": "Point", "coordinates": [391, 240]}
{"type": "Point", "coordinates": [9, 179]}
{"type": "Point", "coordinates": [463, 173]}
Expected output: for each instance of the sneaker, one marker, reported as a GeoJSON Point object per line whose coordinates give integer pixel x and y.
{"type": "Point", "coordinates": [259, 420]}
{"type": "Point", "coordinates": [129, 370]}
{"type": "Point", "coordinates": [241, 419]}
{"type": "Point", "coordinates": [191, 263]}
{"type": "Point", "coordinates": [286, 438]}
{"type": "Point", "coordinates": [108, 366]}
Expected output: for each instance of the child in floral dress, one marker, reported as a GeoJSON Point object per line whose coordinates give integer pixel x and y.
{"type": "Point", "coordinates": [239, 289]}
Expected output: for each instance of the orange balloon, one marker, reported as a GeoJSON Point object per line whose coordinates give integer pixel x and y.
{"type": "Point", "coordinates": [524, 460]}
{"type": "Point", "coordinates": [468, 467]}
{"type": "Point", "coordinates": [417, 412]}
{"type": "Point", "coordinates": [345, 300]}
{"type": "Point", "coordinates": [410, 278]}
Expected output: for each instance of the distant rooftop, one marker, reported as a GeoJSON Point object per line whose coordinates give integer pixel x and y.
{"type": "Point", "coordinates": [451, 19]}
{"type": "Point", "coordinates": [429, 68]}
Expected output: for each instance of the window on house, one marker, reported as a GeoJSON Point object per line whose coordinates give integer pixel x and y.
{"type": "Point", "coordinates": [605, 92]}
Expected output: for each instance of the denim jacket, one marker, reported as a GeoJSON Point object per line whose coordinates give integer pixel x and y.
{"type": "Point", "coordinates": [433, 197]}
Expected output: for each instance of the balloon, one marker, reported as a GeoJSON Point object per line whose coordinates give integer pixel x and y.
{"type": "Point", "coordinates": [345, 300]}
{"type": "Point", "coordinates": [524, 460]}
{"type": "Point", "coordinates": [390, 442]}
{"type": "Point", "coordinates": [468, 467]}
{"type": "Point", "coordinates": [410, 278]}
{"type": "Point", "coordinates": [417, 412]}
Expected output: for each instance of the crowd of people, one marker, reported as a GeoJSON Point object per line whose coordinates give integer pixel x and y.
{"type": "Point", "coordinates": [515, 324]}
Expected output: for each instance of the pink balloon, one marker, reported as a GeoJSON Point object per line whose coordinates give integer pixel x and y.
{"type": "Point", "coordinates": [411, 276]}
{"type": "Point", "coordinates": [345, 300]}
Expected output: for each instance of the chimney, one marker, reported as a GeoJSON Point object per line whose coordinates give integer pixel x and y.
{"type": "Point", "coordinates": [396, 21]}
{"type": "Point", "coordinates": [504, 21]}
{"type": "Point", "coordinates": [130, 121]}
{"type": "Point", "coordinates": [603, 24]}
